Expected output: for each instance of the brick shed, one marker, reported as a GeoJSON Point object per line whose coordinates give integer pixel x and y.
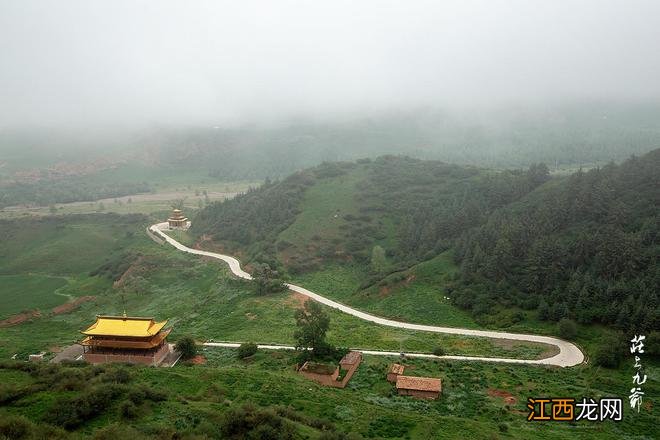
{"type": "Point", "coordinates": [351, 360]}
{"type": "Point", "coordinates": [419, 387]}
{"type": "Point", "coordinates": [394, 371]}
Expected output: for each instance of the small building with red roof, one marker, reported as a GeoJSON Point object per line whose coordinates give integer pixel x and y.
{"type": "Point", "coordinates": [419, 387]}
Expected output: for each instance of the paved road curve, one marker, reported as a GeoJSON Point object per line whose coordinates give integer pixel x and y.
{"type": "Point", "coordinates": [568, 356]}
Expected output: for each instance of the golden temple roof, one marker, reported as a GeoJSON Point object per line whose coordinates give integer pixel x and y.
{"type": "Point", "coordinates": [124, 326]}
{"type": "Point", "coordinates": [144, 344]}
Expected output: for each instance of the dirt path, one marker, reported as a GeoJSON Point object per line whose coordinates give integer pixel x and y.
{"type": "Point", "coordinates": [568, 356]}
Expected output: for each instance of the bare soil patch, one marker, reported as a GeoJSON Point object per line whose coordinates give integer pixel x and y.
{"type": "Point", "coordinates": [296, 300]}
{"type": "Point", "coordinates": [20, 318]}
{"type": "Point", "coordinates": [72, 305]}
{"type": "Point", "coordinates": [198, 360]}
{"type": "Point", "coordinates": [384, 291]}
{"type": "Point", "coordinates": [506, 396]}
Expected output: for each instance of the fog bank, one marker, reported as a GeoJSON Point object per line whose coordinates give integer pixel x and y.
{"type": "Point", "coordinates": [227, 63]}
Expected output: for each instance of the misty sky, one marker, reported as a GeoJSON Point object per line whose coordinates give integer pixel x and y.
{"type": "Point", "coordinates": [227, 62]}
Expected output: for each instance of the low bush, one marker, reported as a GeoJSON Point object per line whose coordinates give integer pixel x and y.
{"type": "Point", "coordinates": [247, 349]}
{"type": "Point", "coordinates": [15, 427]}
{"type": "Point", "coordinates": [610, 352]}
{"type": "Point", "coordinates": [116, 431]}
{"type": "Point", "coordinates": [117, 375]}
{"type": "Point", "coordinates": [143, 392]}
{"type": "Point", "coordinates": [71, 412]}
{"type": "Point", "coordinates": [187, 347]}
{"type": "Point", "coordinates": [566, 328]}
{"type": "Point", "coordinates": [128, 410]}
{"type": "Point", "coordinates": [9, 393]}
{"type": "Point", "coordinates": [249, 422]}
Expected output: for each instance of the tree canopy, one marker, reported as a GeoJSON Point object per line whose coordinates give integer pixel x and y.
{"type": "Point", "coordinates": [312, 323]}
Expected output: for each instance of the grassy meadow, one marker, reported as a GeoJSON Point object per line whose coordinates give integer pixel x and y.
{"type": "Point", "coordinates": [479, 400]}
{"type": "Point", "coordinates": [110, 258]}
{"type": "Point", "coordinates": [415, 295]}
{"type": "Point", "coordinates": [28, 292]}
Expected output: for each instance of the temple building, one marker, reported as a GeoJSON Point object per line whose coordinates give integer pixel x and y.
{"type": "Point", "coordinates": [177, 220]}
{"type": "Point", "coordinates": [126, 339]}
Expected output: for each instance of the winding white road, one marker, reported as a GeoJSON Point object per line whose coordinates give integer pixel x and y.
{"type": "Point", "coordinates": [568, 356]}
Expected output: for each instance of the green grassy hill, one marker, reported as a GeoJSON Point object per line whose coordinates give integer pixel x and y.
{"type": "Point", "coordinates": [340, 211]}
{"type": "Point", "coordinates": [111, 258]}
{"type": "Point", "coordinates": [515, 243]}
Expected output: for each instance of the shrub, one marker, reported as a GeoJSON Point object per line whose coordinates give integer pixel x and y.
{"type": "Point", "coordinates": [128, 410]}
{"type": "Point", "coordinates": [71, 412]}
{"type": "Point", "coordinates": [247, 349]}
{"type": "Point", "coordinates": [283, 245]}
{"type": "Point", "coordinates": [9, 393]}
{"type": "Point", "coordinates": [118, 375]}
{"type": "Point", "coordinates": [610, 353]}
{"type": "Point", "coordinates": [187, 347]}
{"type": "Point", "coordinates": [249, 422]}
{"type": "Point", "coordinates": [144, 392]}
{"type": "Point", "coordinates": [15, 427]}
{"type": "Point", "coordinates": [567, 328]}
{"type": "Point", "coordinates": [653, 344]}
{"type": "Point", "coordinates": [438, 351]}
{"type": "Point", "coordinates": [116, 431]}
{"type": "Point", "coordinates": [334, 435]}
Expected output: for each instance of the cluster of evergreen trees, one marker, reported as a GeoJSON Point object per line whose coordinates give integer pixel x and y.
{"type": "Point", "coordinates": [65, 190]}
{"type": "Point", "coordinates": [432, 203]}
{"type": "Point", "coordinates": [253, 220]}
{"type": "Point", "coordinates": [583, 247]}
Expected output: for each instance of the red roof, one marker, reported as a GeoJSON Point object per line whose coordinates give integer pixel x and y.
{"type": "Point", "coordinates": [396, 369]}
{"type": "Point", "coordinates": [418, 383]}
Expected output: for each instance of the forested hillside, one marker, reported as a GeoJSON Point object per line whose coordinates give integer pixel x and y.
{"type": "Point", "coordinates": [69, 189]}
{"type": "Point", "coordinates": [583, 246]}
{"type": "Point", "coordinates": [340, 211]}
